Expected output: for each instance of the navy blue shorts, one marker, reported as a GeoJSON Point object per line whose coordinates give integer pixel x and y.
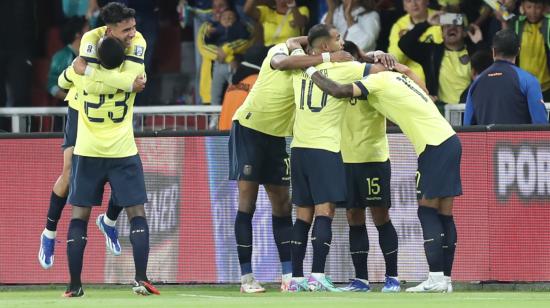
{"type": "Point", "coordinates": [318, 176]}
{"type": "Point", "coordinates": [71, 129]}
{"type": "Point", "coordinates": [368, 184]}
{"type": "Point", "coordinates": [438, 174]}
{"type": "Point", "coordinates": [257, 157]}
{"type": "Point", "coordinates": [89, 175]}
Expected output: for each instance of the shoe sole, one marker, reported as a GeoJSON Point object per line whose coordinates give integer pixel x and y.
{"type": "Point", "coordinates": [252, 291]}
{"type": "Point", "coordinates": [391, 291]}
{"type": "Point", "coordinates": [141, 290]}
{"type": "Point", "coordinates": [107, 238]}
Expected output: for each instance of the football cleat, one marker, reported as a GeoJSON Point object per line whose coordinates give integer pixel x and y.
{"type": "Point", "coordinates": [73, 292]}
{"type": "Point", "coordinates": [449, 284]}
{"type": "Point", "coordinates": [249, 284]}
{"type": "Point", "coordinates": [111, 235]}
{"type": "Point", "coordinates": [391, 285]}
{"type": "Point", "coordinates": [46, 252]}
{"type": "Point", "coordinates": [356, 285]}
{"type": "Point", "coordinates": [285, 282]}
{"type": "Point", "coordinates": [434, 284]}
{"type": "Point", "coordinates": [298, 284]}
{"type": "Point", "coordinates": [144, 288]}
{"type": "Point", "coordinates": [321, 283]}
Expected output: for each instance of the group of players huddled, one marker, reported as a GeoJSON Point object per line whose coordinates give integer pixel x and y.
{"type": "Point", "coordinates": [336, 109]}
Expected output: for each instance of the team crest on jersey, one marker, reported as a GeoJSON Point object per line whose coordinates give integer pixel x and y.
{"type": "Point", "coordinates": [138, 51]}
{"type": "Point", "coordinates": [90, 49]}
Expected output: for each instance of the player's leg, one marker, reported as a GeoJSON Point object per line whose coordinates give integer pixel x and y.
{"type": "Point", "coordinates": [77, 237]}
{"type": "Point", "coordinates": [245, 158]}
{"type": "Point", "coordinates": [107, 225]}
{"type": "Point", "coordinates": [359, 247]}
{"type": "Point", "coordinates": [450, 238]}
{"type": "Point", "coordinates": [388, 241]}
{"type": "Point", "coordinates": [127, 182]}
{"type": "Point", "coordinates": [281, 221]}
{"type": "Point", "coordinates": [58, 199]}
{"type": "Point", "coordinates": [438, 178]}
{"type": "Point", "coordinates": [300, 234]}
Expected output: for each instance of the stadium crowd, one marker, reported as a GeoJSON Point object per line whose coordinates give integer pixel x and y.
{"type": "Point", "coordinates": [219, 44]}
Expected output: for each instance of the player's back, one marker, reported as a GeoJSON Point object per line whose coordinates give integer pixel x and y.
{"type": "Point", "coordinates": [319, 116]}
{"type": "Point", "coordinates": [269, 107]}
{"type": "Point", "coordinates": [402, 101]}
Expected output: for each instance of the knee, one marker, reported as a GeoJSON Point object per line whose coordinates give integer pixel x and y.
{"type": "Point", "coordinates": [380, 216]}
{"type": "Point", "coordinates": [356, 217]}
{"type": "Point", "coordinates": [135, 211]}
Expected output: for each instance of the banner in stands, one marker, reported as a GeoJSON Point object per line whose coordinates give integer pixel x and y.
{"type": "Point", "coordinates": [502, 219]}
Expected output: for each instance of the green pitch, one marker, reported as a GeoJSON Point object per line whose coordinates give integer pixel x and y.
{"type": "Point", "coordinates": [228, 296]}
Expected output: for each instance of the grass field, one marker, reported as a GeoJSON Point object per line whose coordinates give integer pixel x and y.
{"type": "Point", "coordinates": [228, 296]}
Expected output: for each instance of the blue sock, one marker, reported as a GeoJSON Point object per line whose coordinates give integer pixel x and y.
{"type": "Point", "coordinates": [113, 210]}
{"type": "Point", "coordinates": [139, 237]}
{"type": "Point", "coordinates": [300, 232]}
{"type": "Point", "coordinates": [76, 243]}
{"type": "Point", "coordinates": [449, 243]}
{"type": "Point", "coordinates": [359, 249]}
{"type": "Point", "coordinates": [387, 238]}
{"type": "Point", "coordinates": [282, 232]}
{"type": "Point", "coordinates": [321, 240]}
{"type": "Point", "coordinates": [243, 236]}
{"type": "Point", "coordinates": [57, 204]}
{"type": "Point", "coordinates": [432, 229]}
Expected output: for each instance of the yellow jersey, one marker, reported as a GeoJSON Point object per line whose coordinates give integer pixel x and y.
{"type": "Point", "coordinates": [364, 138]}
{"type": "Point", "coordinates": [133, 65]}
{"type": "Point", "coordinates": [532, 54]}
{"type": "Point", "coordinates": [403, 102]}
{"type": "Point", "coordinates": [402, 26]}
{"type": "Point", "coordinates": [318, 122]}
{"type": "Point", "coordinates": [277, 27]}
{"type": "Point", "coordinates": [269, 107]}
{"type": "Point", "coordinates": [66, 83]}
{"type": "Point", "coordinates": [455, 75]}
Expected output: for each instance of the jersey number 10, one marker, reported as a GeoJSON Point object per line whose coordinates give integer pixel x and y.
{"type": "Point", "coordinates": [309, 94]}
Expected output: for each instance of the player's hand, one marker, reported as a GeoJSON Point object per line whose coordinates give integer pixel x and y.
{"type": "Point", "coordinates": [139, 84]}
{"type": "Point", "coordinates": [79, 65]}
{"type": "Point", "coordinates": [388, 60]}
{"type": "Point", "coordinates": [475, 33]}
{"type": "Point", "coordinates": [340, 56]}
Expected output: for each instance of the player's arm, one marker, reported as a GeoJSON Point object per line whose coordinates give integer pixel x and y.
{"type": "Point", "coordinates": [123, 80]}
{"type": "Point", "coordinates": [69, 78]}
{"type": "Point", "coordinates": [377, 56]}
{"type": "Point", "coordinates": [299, 60]}
{"type": "Point", "coordinates": [332, 87]}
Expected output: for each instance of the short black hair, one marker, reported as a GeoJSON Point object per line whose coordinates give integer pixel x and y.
{"type": "Point", "coordinates": [350, 47]}
{"type": "Point", "coordinates": [318, 31]}
{"type": "Point", "coordinates": [71, 27]}
{"type": "Point", "coordinates": [506, 43]}
{"type": "Point", "coordinates": [115, 12]}
{"type": "Point", "coordinates": [110, 53]}
{"type": "Point", "coordinates": [481, 60]}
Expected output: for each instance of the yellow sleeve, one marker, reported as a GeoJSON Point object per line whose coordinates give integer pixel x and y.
{"type": "Point", "coordinates": [393, 47]}
{"type": "Point", "coordinates": [304, 11]}
{"type": "Point", "coordinates": [264, 12]}
{"type": "Point", "coordinates": [64, 81]}
{"type": "Point", "coordinates": [371, 84]}
{"type": "Point", "coordinates": [88, 48]}
{"type": "Point", "coordinates": [207, 51]}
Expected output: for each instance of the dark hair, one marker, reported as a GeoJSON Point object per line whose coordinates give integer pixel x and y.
{"type": "Point", "coordinates": [318, 31]}
{"type": "Point", "coordinates": [350, 47]}
{"type": "Point", "coordinates": [481, 60]}
{"type": "Point", "coordinates": [506, 43]}
{"type": "Point", "coordinates": [71, 27]}
{"type": "Point", "coordinates": [115, 12]}
{"type": "Point", "coordinates": [110, 53]}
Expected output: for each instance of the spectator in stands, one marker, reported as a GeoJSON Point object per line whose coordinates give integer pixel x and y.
{"type": "Point", "coordinates": [17, 30]}
{"type": "Point", "coordinates": [280, 22]}
{"type": "Point", "coordinates": [417, 12]}
{"type": "Point", "coordinates": [202, 11]}
{"type": "Point", "coordinates": [504, 93]}
{"type": "Point", "coordinates": [356, 21]}
{"type": "Point", "coordinates": [480, 61]}
{"type": "Point", "coordinates": [71, 34]}
{"type": "Point", "coordinates": [447, 64]}
{"type": "Point", "coordinates": [228, 35]}
{"type": "Point", "coordinates": [77, 8]}
{"type": "Point", "coordinates": [495, 19]}
{"type": "Point", "coordinates": [534, 34]}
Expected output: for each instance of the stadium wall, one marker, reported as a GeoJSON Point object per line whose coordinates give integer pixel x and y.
{"type": "Point", "coordinates": [502, 218]}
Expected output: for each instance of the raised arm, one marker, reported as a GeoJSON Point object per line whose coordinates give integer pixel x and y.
{"type": "Point", "coordinates": [251, 10]}
{"type": "Point", "coordinates": [301, 61]}
{"type": "Point", "coordinates": [300, 20]}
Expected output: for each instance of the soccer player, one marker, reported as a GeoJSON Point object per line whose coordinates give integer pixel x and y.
{"type": "Point", "coordinates": [439, 151]}
{"type": "Point", "coordinates": [365, 152]}
{"type": "Point", "coordinates": [257, 154]}
{"type": "Point", "coordinates": [318, 174]}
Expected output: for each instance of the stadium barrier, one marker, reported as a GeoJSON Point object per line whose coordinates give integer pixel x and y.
{"type": "Point", "coordinates": [454, 113]}
{"type": "Point", "coordinates": [502, 218]}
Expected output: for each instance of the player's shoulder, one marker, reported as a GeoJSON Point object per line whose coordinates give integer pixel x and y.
{"type": "Point", "coordinates": [137, 46]}
{"type": "Point", "coordinates": [280, 48]}
{"type": "Point", "coordinates": [90, 39]}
